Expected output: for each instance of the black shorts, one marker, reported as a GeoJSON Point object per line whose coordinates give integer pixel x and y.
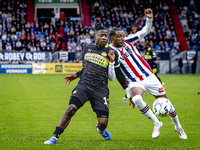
{"type": "Point", "coordinates": [98, 97]}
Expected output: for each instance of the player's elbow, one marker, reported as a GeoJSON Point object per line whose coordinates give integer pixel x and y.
{"type": "Point", "coordinates": [111, 78]}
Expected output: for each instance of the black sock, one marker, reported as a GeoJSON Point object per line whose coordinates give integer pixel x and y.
{"type": "Point", "coordinates": [58, 132]}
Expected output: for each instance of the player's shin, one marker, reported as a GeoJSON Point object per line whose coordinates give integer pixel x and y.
{"type": "Point", "coordinates": [174, 117]}
{"type": "Point", "coordinates": [144, 108]}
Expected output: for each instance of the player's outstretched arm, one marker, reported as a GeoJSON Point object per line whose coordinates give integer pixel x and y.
{"type": "Point", "coordinates": [70, 78]}
{"type": "Point", "coordinates": [147, 28]}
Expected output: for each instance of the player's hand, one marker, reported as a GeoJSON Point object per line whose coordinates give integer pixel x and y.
{"type": "Point", "coordinates": [148, 13]}
{"type": "Point", "coordinates": [69, 78]}
{"type": "Point", "coordinates": [131, 102]}
{"type": "Point", "coordinates": [111, 55]}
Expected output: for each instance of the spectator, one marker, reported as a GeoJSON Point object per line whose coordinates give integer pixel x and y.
{"type": "Point", "coordinates": [78, 48]}
{"type": "Point", "coordinates": [8, 47]}
{"type": "Point", "coordinates": [88, 39]}
{"type": "Point", "coordinates": [73, 45]}
{"type": "Point", "coordinates": [180, 64]}
{"type": "Point", "coordinates": [43, 44]}
{"type": "Point", "coordinates": [194, 63]}
{"type": "Point", "coordinates": [33, 48]}
{"type": "Point", "coordinates": [4, 36]}
{"type": "Point", "coordinates": [18, 44]}
{"type": "Point", "coordinates": [66, 29]}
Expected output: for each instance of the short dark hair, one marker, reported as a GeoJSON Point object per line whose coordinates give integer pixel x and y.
{"type": "Point", "coordinates": [112, 32]}
{"type": "Point", "coordinates": [98, 26]}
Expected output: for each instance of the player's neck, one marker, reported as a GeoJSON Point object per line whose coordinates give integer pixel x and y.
{"type": "Point", "coordinates": [99, 46]}
{"type": "Point", "coordinates": [117, 46]}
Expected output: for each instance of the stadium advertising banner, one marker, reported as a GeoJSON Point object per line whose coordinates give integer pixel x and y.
{"type": "Point", "coordinates": [28, 56]}
{"type": "Point", "coordinates": [56, 68]}
{"type": "Point", "coordinates": [16, 68]}
{"type": "Point", "coordinates": [56, 1]}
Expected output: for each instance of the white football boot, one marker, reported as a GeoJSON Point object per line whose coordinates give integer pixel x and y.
{"type": "Point", "coordinates": [156, 131]}
{"type": "Point", "coordinates": [181, 133]}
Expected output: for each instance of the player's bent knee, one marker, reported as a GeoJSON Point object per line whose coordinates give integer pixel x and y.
{"type": "Point", "coordinates": [71, 110]}
{"type": "Point", "coordinates": [136, 98]}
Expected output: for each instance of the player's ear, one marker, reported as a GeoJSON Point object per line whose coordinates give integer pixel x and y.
{"type": "Point", "coordinates": [111, 38]}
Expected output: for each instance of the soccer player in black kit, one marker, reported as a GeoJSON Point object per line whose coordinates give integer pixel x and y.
{"type": "Point", "coordinates": [98, 67]}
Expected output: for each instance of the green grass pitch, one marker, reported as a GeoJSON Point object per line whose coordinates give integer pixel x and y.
{"type": "Point", "coordinates": [31, 107]}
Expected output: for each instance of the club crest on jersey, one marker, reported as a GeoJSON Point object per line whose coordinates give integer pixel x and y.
{"type": "Point", "coordinates": [104, 54]}
{"type": "Point", "coordinates": [128, 50]}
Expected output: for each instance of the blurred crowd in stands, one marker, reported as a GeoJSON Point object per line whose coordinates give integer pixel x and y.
{"type": "Point", "coordinates": [19, 35]}
{"type": "Point", "coordinates": [189, 12]}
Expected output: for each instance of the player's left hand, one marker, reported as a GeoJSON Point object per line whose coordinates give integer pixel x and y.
{"type": "Point", "coordinates": [111, 55]}
{"type": "Point", "coordinates": [131, 102]}
{"type": "Point", "coordinates": [148, 13]}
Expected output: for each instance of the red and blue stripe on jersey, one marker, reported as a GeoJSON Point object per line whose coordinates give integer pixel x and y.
{"type": "Point", "coordinates": [133, 65]}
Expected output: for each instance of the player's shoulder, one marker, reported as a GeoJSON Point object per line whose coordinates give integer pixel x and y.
{"type": "Point", "coordinates": [90, 46]}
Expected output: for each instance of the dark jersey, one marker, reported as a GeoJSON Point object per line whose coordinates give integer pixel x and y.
{"type": "Point", "coordinates": [95, 65]}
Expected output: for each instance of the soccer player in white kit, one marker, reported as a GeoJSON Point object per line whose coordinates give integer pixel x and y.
{"type": "Point", "coordinates": [139, 75]}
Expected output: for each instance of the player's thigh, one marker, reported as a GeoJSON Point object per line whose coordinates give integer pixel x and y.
{"type": "Point", "coordinates": [153, 85]}
{"type": "Point", "coordinates": [100, 101]}
{"type": "Point", "coordinates": [136, 85]}
{"type": "Point", "coordinates": [81, 93]}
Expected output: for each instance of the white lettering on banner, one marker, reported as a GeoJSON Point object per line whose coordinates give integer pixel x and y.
{"type": "Point", "coordinates": [43, 1]}
{"type": "Point", "coordinates": [10, 56]}
{"type": "Point", "coordinates": [39, 56]}
{"type": "Point", "coordinates": [1, 56]}
{"type": "Point", "coordinates": [6, 56]}
{"type": "Point", "coordinates": [14, 56]}
{"type": "Point", "coordinates": [16, 70]}
{"type": "Point", "coordinates": [35, 56]}
{"type": "Point", "coordinates": [29, 56]}
{"type": "Point", "coordinates": [16, 66]}
{"type": "Point", "coordinates": [64, 1]}
{"type": "Point", "coordinates": [18, 56]}
{"type": "Point", "coordinates": [22, 56]}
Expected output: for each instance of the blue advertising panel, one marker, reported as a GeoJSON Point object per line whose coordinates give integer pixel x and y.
{"type": "Point", "coordinates": [16, 68]}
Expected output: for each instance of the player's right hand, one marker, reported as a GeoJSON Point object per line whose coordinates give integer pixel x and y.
{"type": "Point", "coordinates": [69, 78]}
{"type": "Point", "coordinates": [131, 102]}
{"type": "Point", "coordinates": [111, 55]}
{"type": "Point", "coordinates": [148, 13]}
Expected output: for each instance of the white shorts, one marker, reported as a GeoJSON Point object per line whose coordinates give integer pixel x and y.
{"type": "Point", "coordinates": [151, 84]}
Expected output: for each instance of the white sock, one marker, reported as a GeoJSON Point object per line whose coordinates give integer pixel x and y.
{"type": "Point", "coordinates": [174, 117]}
{"type": "Point", "coordinates": [144, 108]}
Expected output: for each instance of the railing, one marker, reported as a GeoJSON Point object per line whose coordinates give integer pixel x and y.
{"type": "Point", "coordinates": [82, 17]}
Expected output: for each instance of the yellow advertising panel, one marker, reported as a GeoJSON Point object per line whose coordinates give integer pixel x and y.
{"type": "Point", "coordinates": [56, 68]}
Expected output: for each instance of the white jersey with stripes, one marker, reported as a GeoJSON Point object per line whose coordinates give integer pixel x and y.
{"type": "Point", "coordinates": [134, 67]}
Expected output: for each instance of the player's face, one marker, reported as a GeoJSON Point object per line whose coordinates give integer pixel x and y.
{"type": "Point", "coordinates": [118, 39]}
{"type": "Point", "coordinates": [101, 37]}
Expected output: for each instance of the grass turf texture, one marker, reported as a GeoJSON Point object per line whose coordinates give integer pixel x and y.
{"type": "Point", "coordinates": [32, 105]}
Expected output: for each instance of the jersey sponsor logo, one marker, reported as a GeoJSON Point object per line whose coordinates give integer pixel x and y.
{"type": "Point", "coordinates": [97, 59]}
{"type": "Point", "coordinates": [89, 50]}
{"type": "Point", "coordinates": [160, 90]}
{"type": "Point", "coordinates": [104, 54]}
{"type": "Point", "coordinates": [122, 57]}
